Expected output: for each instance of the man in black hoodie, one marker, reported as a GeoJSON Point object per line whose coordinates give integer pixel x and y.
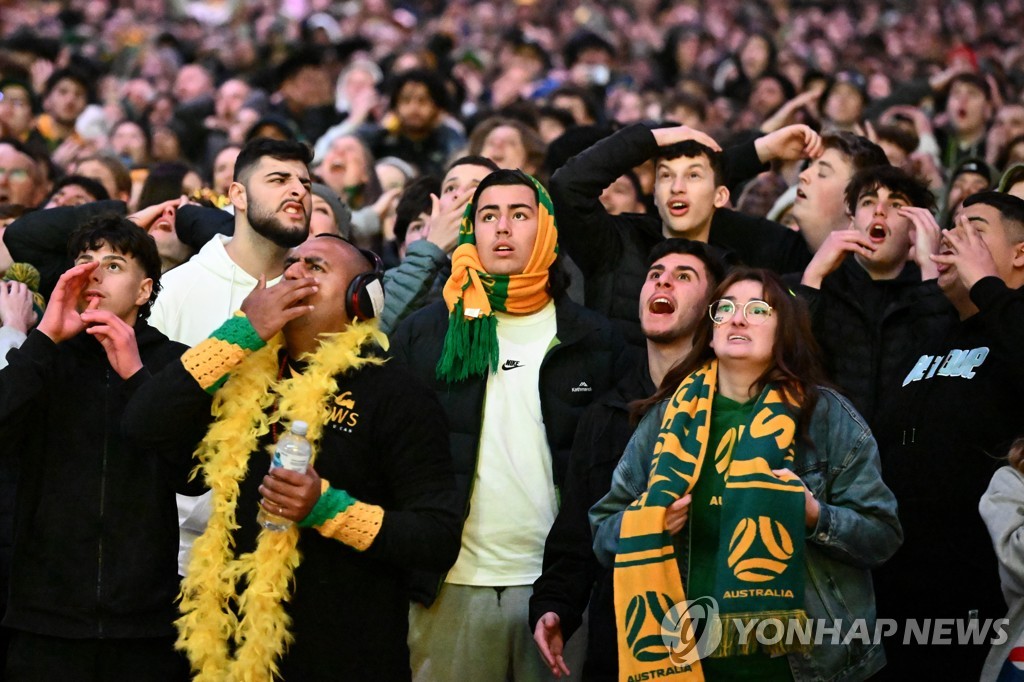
{"type": "Point", "coordinates": [950, 415]}
{"type": "Point", "coordinates": [93, 576]}
{"type": "Point", "coordinates": [870, 303]}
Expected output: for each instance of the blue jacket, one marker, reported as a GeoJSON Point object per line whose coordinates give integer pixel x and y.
{"type": "Point", "coordinates": [857, 530]}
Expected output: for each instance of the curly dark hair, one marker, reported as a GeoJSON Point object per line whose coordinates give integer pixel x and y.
{"type": "Point", "coordinates": [125, 237]}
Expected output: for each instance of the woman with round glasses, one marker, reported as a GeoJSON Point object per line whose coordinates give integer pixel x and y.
{"type": "Point", "coordinates": [750, 500]}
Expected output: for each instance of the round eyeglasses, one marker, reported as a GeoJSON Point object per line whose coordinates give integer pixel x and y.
{"type": "Point", "coordinates": [755, 312]}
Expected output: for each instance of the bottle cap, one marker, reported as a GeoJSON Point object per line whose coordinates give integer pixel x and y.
{"type": "Point", "coordinates": [299, 428]}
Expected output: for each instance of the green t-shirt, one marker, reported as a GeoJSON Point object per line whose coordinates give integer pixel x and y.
{"type": "Point", "coordinates": [704, 524]}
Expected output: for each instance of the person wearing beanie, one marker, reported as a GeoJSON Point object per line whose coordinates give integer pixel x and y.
{"type": "Point", "coordinates": [1012, 181]}
{"type": "Point", "coordinates": [330, 213]}
{"type": "Point", "coordinates": [514, 363]}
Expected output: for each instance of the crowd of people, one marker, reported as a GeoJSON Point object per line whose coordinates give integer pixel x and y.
{"type": "Point", "coordinates": [591, 310]}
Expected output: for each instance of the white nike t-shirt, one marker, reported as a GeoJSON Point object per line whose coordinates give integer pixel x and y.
{"type": "Point", "coordinates": [513, 503]}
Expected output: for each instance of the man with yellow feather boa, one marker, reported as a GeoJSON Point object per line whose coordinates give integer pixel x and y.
{"type": "Point", "coordinates": [325, 599]}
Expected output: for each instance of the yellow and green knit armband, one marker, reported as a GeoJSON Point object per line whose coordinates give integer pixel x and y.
{"type": "Point", "coordinates": [331, 503]}
{"type": "Point", "coordinates": [340, 516]}
{"type": "Point", "coordinates": [211, 361]}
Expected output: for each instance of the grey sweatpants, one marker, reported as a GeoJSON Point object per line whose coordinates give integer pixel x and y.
{"type": "Point", "coordinates": [481, 634]}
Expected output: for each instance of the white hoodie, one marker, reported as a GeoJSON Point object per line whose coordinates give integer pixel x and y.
{"type": "Point", "coordinates": [195, 299]}
{"type": "Point", "coordinates": [200, 295]}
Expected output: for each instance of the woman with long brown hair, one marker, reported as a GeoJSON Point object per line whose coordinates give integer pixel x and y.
{"type": "Point", "coordinates": [775, 480]}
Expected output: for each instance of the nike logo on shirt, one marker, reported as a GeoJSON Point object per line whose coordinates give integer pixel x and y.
{"type": "Point", "coordinates": [511, 364]}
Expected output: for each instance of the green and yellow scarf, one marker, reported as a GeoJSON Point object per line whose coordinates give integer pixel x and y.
{"type": "Point", "coordinates": [760, 562]}
{"type": "Point", "coordinates": [472, 295]}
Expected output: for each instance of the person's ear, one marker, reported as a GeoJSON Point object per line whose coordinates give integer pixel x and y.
{"type": "Point", "coordinates": [145, 291]}
{"type": "Point", "coordinates": [238, 196]}
{"type": "Point", "coordinates": [721, 196]}
{"type": "Point", "coordinates": [1018, 255]}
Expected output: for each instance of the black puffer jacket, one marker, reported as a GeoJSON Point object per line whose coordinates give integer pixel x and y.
{"type": "Point", "coordinates": [869, 329]}
{"type": "Point", "coordinates": [611, 251]}
{"type": "Point", "coordinates": [572, 576]}
{"type": "Point", "coordinates": [96, 528]}
{"type": "Point", "coordinates": [574, 372]}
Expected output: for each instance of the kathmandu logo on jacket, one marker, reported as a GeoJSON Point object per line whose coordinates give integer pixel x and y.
{"type": "Point", "coordinates": [954, 364]}
{"type": "Point", "coordinates": [582, 388]}
{"type": "Point", "coordinates": [511, 364]}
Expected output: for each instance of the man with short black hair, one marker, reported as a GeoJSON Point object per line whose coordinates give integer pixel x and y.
{"type": "Point", "coordinates": [75, 190]}
{"type": "Point", "coordinates": [65, 97]}
{"type": "Point", "coordinates": [272, 201]}
{"type": "Point", "coordinates": [680, 280]}
{"type": "Point", "coordinates": [304, 95]}
{"type": "Point", "coordinates": [957, 405]}
{"type": "Point", "coordinates": [93, 578]}
{"type": "Point", "coordinates": [968, 109]}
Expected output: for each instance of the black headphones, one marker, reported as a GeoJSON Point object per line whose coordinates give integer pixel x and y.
{"type": "Point", "coordinates": [364, 299]}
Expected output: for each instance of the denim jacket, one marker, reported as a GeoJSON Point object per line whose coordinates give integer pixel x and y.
{"type": "Point", "coordinates": [857, 530]}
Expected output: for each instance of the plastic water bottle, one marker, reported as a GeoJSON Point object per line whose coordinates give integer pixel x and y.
{"type": "Point", "coordinates": [292, 452]}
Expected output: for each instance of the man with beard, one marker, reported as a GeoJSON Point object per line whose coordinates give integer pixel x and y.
{"type": "Point", "coordinates": [272, 200]}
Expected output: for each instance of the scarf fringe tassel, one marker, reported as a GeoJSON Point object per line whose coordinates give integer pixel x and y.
{"type": "Point", "coordinates": [470, 347]}
{"type": "Point", "coordinates": [740, 633]}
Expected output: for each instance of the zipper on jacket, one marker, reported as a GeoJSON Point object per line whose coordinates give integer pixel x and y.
{"type": "Point", "coordinates": [103, 495]}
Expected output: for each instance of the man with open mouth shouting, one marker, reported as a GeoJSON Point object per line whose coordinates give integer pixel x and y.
{"type": "Point", "coordinates": [954, 406]}
{"type": "Point", "coordinates": [869, 310]}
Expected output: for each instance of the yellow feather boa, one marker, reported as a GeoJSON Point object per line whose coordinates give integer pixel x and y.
{"type": "Point", "coordinates": [245, 642]}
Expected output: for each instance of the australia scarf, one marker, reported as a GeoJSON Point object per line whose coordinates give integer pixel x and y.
{"type": "Point", "coordinates": [473, 296]}
{"type": "Point", "coordinates": [759, 567]}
